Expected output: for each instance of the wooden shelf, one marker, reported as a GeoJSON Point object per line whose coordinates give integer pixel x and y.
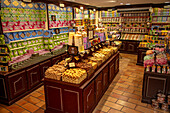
{"type": "Point", "coordinates": [111, 22]}
{"type": "Point", "coordinates": [134, 33]}
{"type": "Point", "coordinates": [60, 39]}
{"type": "Point", "coordinates": [133, 22]}
{"type": "Point", "coordinates": [160, 22]}
{"type": "Point", "coordinates": [34, 44]}
{"type": "Point", "coordinates": [17, 48]}
{"type": "Point", "coordinates": [161, 15]}
{"type": "Point", "coordinates": [135, 12]}
{"type": "Point", "coordinates": [26, 39]}
{"type": "Point", "coordinates": [22, 30]}
{"type": "Point", "coordinates": [59, 27]}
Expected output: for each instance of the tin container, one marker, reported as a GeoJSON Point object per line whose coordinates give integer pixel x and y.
{"type": "Point", "coordinates": [155, 104]}
{"type": "Point", "coordinates": [161, 98]}
{"type": "Point", "coordinates": [165, 106]}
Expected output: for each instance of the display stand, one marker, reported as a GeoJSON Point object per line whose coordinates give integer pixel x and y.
{"type": "Point", "coordinates": [81, 98]}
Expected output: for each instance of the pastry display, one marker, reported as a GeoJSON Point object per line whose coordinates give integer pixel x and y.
{"type": "Point", "coordinates": [87, 66]}
{"type": "Point", "coordinates": [75, 75]}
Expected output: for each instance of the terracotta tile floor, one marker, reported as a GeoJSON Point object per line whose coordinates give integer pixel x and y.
{"type": "Point", "coordinates": [122, 96]}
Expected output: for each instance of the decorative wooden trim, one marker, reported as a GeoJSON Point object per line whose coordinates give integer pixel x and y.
{"type": "Point", "coordinates": [78, 100]}
{"type": "Point", "coordinates": [88, 97]}
{"type": "Point", "coordinates": [164, 79]}
{"type": "Point", "coordinates": [4, 88]}
{"type": "Point", "coordinates": [60, 97]}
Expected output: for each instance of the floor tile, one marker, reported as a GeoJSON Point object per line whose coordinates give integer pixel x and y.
{"type": "Point", "coordinates": [32, 100]}
{"type": "Point", "coordinates": [113, 105]}
{"type": "Point", "coordinates": [124, 89]}
{"type": "Point", "coordinates": [130, 95]}
{"type": "Point", "coordinates": [103, 108]}
{"type": "Point", "coordinates": [111, 99]}
{"type": "Point", "coordinates": [21, 102]}
{"type": "Point", "coordinates": [114, 111]}
{"type": "Point", "coordinates": [25, 111]}
{"type": "Point", "coordinates": [145, 110]}
{"type": "Point", "coordinates": [30, 107]}
{"type": "Point", "coordinates": [3, 110]}
{"type": "Point", "coordinates": [128, 110]}
{"type": "Point", "coordinates": [127, 104]}
{"type": "Point", "coordinates": [39, 111]}
{"type": "Point", "coordinates": [42, 97]}
{"type": "Point", "coordinates": [138, 102]}
{"type": "Point", "coordinates": [36, 94]}
{"type": "Point", "coordinates": [15, 108]}
{"type": "Point", "coordinates": [40, 104]}
{"type": "Point", "coordinates": [119, 96]}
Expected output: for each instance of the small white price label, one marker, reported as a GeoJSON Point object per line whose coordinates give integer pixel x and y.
{"type": "Point", "coordinates": [72, 64]}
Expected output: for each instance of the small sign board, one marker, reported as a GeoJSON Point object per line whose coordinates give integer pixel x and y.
{"type": "Point", "coordinates": [72, 50]}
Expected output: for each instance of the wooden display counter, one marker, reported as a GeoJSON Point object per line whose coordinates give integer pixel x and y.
{"type": "Point", "coordinates": [141, 54]}
{"type": "Point", "coordinates": [129, 46]}
{"type": "Point", "coordinates": [154, 82]}
{"type": "Point", "coordinates": [62, 97]}
{"type": "Point", "coordinates": [18, 83]}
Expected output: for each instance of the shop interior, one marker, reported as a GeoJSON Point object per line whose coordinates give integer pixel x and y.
{"type": "Point", "coordinates": [82, 56]}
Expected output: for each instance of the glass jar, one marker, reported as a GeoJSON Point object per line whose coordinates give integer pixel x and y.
{"type": "Point", "coordinates": [161, 98]}
{"type": "Point", "coordinates": [168, 99]}
{"type": "Point", "coordinates": [165, 106]}
{"type": "Point", "coordinates": [155, 104]}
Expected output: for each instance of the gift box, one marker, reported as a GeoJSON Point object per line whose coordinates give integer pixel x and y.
{"type": "Point", "coordinates": [42, 46]}
{"type": "Point", "coordinates": [28, 34]}
{"type": "Point", "coordinates": [9, 36]}
{"type": "Point", "coordinates": [24, 43]}
{"type": "Point", "coordinates": [29, 42]}
{"type": "Point", "coordinates": [47, 33]}
{"type": "Point", "coordinates": [33, 41]}
{"type": "Point", "coordinates": [39, 33]}
{"type": "Point", "coordinates": [40, 40]}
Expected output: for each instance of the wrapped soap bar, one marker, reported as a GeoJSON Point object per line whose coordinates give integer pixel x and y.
{"type": "Point", "coordinates": [148, 69]}
{"type": "Point", "coordinates": [153, 68]}
{"type": "Point", "coordinates": [164, 69]}
{"type": "Point", "coordinates": [158, 69]}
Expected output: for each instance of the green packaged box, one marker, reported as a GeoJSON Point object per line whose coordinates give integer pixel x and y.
{"type": "Point", "coordinates": [24, 50]}
{"type": "Point", "coordinates": [50, 41]}
{"type": "Point", "coordinates": [46, 46]}
{"type": "Point", "coordinates": [19, 44]}
{"type": "Point", "coordinates": [38, 47]}
{"type": "Point", "coordinates": [14, 45]}
{"type": "Point", "coordinates": [50, 46]}
{"type": "Point", "coordinates": [36, 41]}
{"type": "Point", "coordinates": [35, 48]}
{"type": "Point", "coordinates": [2, 40]}
{"type": "Point", "coordinates": [15, 53]}
{"type": "Point", "coordinates": [11, 54]}
{"type": "Point", "coordinates": [33, 41]}
{"type": "Point", "coordinates": [20, 51]}
{"type": "Point", "coordinates": [29, 42]}
{"type": "Point", "coordinates": [24, 43]}
{"type": "Point", "coordinates": [40, 40]}
{"type": "Point", "coordinates": [42, 46]}
{"type": "Point", "coordinates": [45, 40]}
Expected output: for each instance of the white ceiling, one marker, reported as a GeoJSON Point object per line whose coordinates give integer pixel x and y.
{"type": "Point", "coordinates": [112, 3]}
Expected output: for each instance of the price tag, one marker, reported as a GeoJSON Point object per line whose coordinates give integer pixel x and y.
{"type": "Point", "coordinates": [96, 47]}
{"type": "Point", "coordinates": [92, 49]}
{"type": "Point", "coordinates": [72, 64]}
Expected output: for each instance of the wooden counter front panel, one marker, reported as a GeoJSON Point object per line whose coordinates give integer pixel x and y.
{"type": "Point", "coordinates": [17, 84]}
{"type": "Point", "coordinates": [56, 60]}
{"type": "Point", "coordinates": [117, 65]}
{"type": "Point", "coordinates": [33, 75]}
{"type": "Point", "coordinates": [3, 92]}
{"type": "Point", "coordinates": [54, 101]}
{"type": "Point", "coordinates": [71, 101]}
{"type": "Point", "coordinates": [105, 77]}
{"type": "Point", "coordinates": [123, 46]}
{"type": "Point", "coordinates": [44, 66]}
{"type": "Point", "coordinates": [89, 97]}
{"type": "Point", "coordinates": [98, 86]}
{"type": "Point", "coordinates": [111, 70]}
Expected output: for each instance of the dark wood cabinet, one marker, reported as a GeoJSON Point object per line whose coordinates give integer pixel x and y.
{"type": "Point", "coordinates": [129, 46]}
{"type": "Point", "coordinates": [153, 83]}
{"type": "Point", "coordinates": [63, 97]}
{"type": "Point", "coordinates": [105, 77]}
{"type": "Point", "coordinates": [33, 75]}
{"type": "Point", "coordinates": [56, 60]}
{"type": "Point", "coordinates": [89, 98]}
{"type": "Point", "coordinates": [111, 70]}
{"type": "Point", "coordinates": [44, 66]}
{"type": "Point", "coordinates": [99, 86]}
{"type": "Point", "coordinates": [141, 55]}
{"type": "Point", "coordinates": [117, 65]}
{"type": "Point", "coordinates": [17, 84]}
{"type": "Point", "coordinates": [123, 46]}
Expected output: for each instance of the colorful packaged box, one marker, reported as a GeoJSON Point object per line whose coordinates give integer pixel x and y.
{"type": "Point", "coordinates": [50, 46]}
{"type": "Point", "coordinates": [40, 40]}
{"type": "Point", "coordinates": [19, 44]}
{"type": "Point", "coordinates": [20, 51]}
{"type": "Point", "coordinates": [33, 41]}
{"type": "Point", "coordinates": [39, 33]}
{"type": "Point", "coordinates": [34, 33]}
{"type": "Point", "coordinates": [28, 34]}
{"type": "Point", "coordinates": [14, 45]}
{"type": "Point", "coordinates": [9, 36]}
{"type": "Point", "coordinates": [15, 53]}
{"type": "Point", "coordinates": [24, 43]}
{"type": "Point", "coordinates": [35, 48]}
{"type": "Point", "coordinates": [29, 42]}
{"type": "Point", "coordinates": [50, 40]}
{"type": "Point", "coordinates": [42, 46]}
{"type": "Point", "coordinates": [48, 33]}
{"type": "Point", "coordinates": [46, 46]}
{"type": "Point", "coordinates": [45, 40]}
{"type": "Point", "coordinates": [22, 35]}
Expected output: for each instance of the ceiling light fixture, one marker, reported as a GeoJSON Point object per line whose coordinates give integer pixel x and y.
{"type": "Point", "coordinates": [112, 1]}
{"type": "Point", "coordinates": [167, 2]}
{"type": "Point", "coordinates": [127, 3]}
{"type": "Point", "coordinates": [61, 5]}
{"type": "Point", "coordinates": [81, 8]}
{"type": "Point", "coordinates": [121, 3]}
{"type": "Point", "coordinates": [94, 9]}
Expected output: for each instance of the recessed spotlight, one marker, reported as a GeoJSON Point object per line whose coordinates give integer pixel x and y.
{"type": "Point", "coordinates": [61, 5]}
{"type": "Point", "coordinates": [121, 3]}
{"type": "Point", "coordinates": [167, 2]}
{"type": "Point", "coordinates": [81, 8]}
{"type": "Point", "coordinates": [94, 9]}
{"type": "Point", "coordinates": [112, 1]}
{"type": "Point", "coordinates": [127, 3]}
